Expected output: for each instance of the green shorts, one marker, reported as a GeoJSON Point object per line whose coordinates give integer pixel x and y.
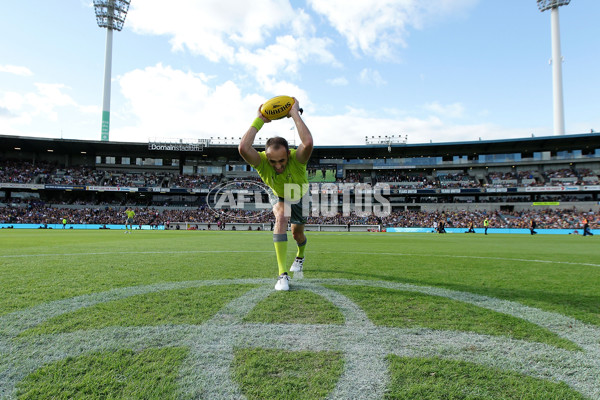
{"type": "Point", "coordinates": [296, 217]}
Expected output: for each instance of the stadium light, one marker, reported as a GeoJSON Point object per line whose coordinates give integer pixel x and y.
{"type": "Point", "coordinates": [110, 14]}
{"type": "Point", "coordinates": [557, 90]}
{"type": "Point", "coordinates": [389, 140]}
{"type": "Point", "coordinates": [545, 5]}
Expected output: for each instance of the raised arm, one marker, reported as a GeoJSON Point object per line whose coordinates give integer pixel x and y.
{"type": "Point", "coordinates": [306, 147]}
{"type": "Point", "coordinates": [245, 148]}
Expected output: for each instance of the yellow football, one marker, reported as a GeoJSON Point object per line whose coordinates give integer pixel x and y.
{"type": "Point", "coordinates": [277, 107]}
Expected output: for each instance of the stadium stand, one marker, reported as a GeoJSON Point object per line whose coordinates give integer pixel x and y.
{"type": "Point", "coordinates": [554, 180]}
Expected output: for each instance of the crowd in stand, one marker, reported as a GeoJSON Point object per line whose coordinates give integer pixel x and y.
{"type": "Point", "coordinates": [351, 177]}
{"type": "Point", "coordinates": [561, 173]}
{"type": "Point", "coordinates": [46, 173]}
{"type": "Point", "coordinates": [21, 172]}
{"type": "Point", "coordinates": [193, 181]}
{"type": "Point", "coordinates": [33, 212]}
{"type": "Point", "coordinates": [146, 179]}
{"type": "Point", "coordinates": [586, 173]}
{"type": "Point", "coordinates": [503, 176]}
{"type": "Point", "coordinates": [37, 213]}
{"type": "Point", "coordinates": [402, 177]}
{"type": "Point", "coordinates": [72, 176]}
{"type": "Point", "coordinates": [457, 180]}
{"type": "Point", "coordinates": [583, 176]}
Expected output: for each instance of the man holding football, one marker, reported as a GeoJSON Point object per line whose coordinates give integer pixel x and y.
{"type": "Point", "coordinates": [284, 171]}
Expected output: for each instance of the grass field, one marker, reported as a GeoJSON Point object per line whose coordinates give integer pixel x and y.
{"type": "Point", "coordinates": [184, 314]}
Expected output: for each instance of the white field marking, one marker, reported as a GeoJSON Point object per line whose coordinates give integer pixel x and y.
{"type": "Point", "coordinates": [315, 252]}
{"type": "Point", "coordinates": [206, 370]}
{"type": "Point", "coordinates": [470, 257]}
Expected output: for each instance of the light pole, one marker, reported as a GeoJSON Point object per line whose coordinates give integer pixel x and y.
{"type": "Point", "coordinates": [557, 90]}
{"type": "Point", "coordinates": [110, 14]}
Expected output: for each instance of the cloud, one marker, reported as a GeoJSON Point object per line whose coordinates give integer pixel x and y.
{"type": "Point", "coordinates": [43, 112]}
{"type": "Point", "coordinates": [16, 70]}
{"type": "Point", "coordinates": [377, 27]}
{"type": "Point", "coordinates": [5, 113]}
{"type": "Point", "coordinates": [240, 34]}
{"type": "Point", "coordinates": [47, 99]}
{"type": "Point", "coordinates": [164, 102]}
{"type": "Point", "coordinates": [211, 28]}
{"type": "Point", "coordinates": [185, 105]}
{"type": "Point", "coordinates": [167, 102]}
{"type": "Point", "coordinates": [352, 127]}
{"type": "Point", "coordinates": [455, 110]}
{"type": "Point", "coordinates": [371, 77]}
{"type": "Point", "coordinates": [339, 81]}
{"type": "Point", "coordinates": [284, 57]}
{"type": "Point", "coordinates": [42, 103]}
{"type": "Point", "coordinates": [276, 66]}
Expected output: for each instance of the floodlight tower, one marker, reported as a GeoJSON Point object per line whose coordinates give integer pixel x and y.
{"type": "Point", "coordinates": [557, 90]}
{"type": "Point", "coordinates": [110, 14]}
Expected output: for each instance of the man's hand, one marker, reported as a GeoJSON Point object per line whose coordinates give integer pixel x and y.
{"type": "Point", "coordinates": [261, 116]}
{"type": "Point", "coordinates": [306, 147]}
{"type": "Point", "coordinates": [295, 110]}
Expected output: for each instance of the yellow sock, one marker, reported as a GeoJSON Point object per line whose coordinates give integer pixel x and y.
{"type": "Point", "coordinates": [301, 247]}
{"type": "Point", "coordinates": [280, 242]}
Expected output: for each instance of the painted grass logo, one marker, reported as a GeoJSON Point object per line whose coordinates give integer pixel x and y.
{"type": "Point", "coordinates": [206, 372]}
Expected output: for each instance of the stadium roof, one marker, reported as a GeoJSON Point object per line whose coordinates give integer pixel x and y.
{"type": "Point", "coordinates": [523, 145]}
{"type": "Point", "coordinates": [500, 146]}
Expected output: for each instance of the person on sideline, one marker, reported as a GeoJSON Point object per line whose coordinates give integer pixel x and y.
{"type": "Point", "coordinates": [129, 219]}
{"type": "Point", "coordinates": [471, 228]}
{"type": "Point", "coordinates": [486, 224]}
{"type": "Point", "coordinates": [532, 225]}
{"type": "Point", "coordinates": [278, 167]}
{"type": "Point", "coordinates": [586, 228]}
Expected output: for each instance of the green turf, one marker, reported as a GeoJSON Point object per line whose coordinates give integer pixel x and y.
{"type": "Point", "coordinates": [433, 379]}
{"type": "Point", "coordinates": [184, 306]}
{"type": "Point", "coordinates": [554, 273]}
{"type": "Point", "coordinates": [125, 374]}
{"type": "Point", "coordinates": [79, 262]}
{"type": "Point", "coordinates": [280, 374]}
{"type": "Point", "coordinates": [295, 307]}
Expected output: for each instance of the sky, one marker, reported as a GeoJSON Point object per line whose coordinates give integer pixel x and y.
{"type": "Point", "coordinates": [420, 71]}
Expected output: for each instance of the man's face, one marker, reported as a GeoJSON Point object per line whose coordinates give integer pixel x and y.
{"type": "Point", "coordinates": [278, 158]}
